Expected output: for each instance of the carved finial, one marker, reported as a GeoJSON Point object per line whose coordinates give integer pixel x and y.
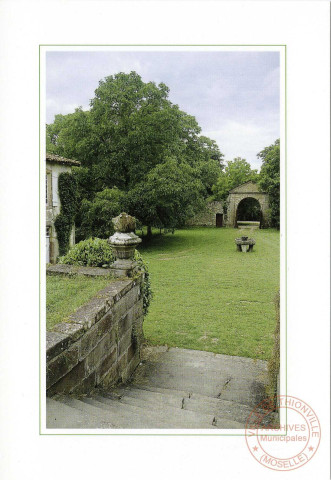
{"type": "Point", "coordinates": [124, 223]}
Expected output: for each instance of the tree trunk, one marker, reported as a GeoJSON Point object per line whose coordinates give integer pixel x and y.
{"type": "Point", "coordinates": [149, 231]}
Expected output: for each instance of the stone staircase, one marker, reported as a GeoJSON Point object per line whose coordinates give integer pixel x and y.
{"type": "Point", "coordinates": [172, 388]}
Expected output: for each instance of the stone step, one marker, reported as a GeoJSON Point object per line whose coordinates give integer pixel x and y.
{"type": "Point", "coordinates": [166, 416]}
{"type": "Point", "coordinates": [172, 388]}
{"type": "Point", "coordinates": [60, 415]}
{"type": "Point", "coordinates": [181, 377]}
{"type": "Point", "coordinates": [223, 409]}
{"type": "Point", "coordinates": [225, 364]}
{"type": "Point", "coordinates": [211, 383]}
{"type": "Point", "coordinates": [240, 390]}
{"type": "Point", "coordinates": [132, 416]}
{"type": "Point", "coordinates": [181, 415]}
{"type": "Point", "coordinates": [199, 401]}
{"type": "Point", "coordinates": [120, 415]}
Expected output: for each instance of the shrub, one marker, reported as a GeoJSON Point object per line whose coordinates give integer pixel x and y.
{"type": "Point", "coordinates": [274, 362]}
{"type": "Point", "coordinates": [146, 287]}
{"type": "Point", "coordinates": [93, 252]}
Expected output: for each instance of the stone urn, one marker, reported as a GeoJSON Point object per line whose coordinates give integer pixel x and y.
{"type": "Point", "coordinates": [123, 243]}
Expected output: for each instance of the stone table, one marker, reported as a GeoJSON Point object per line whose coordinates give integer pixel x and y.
{"type": "Point", "coordinates": [245, 244]}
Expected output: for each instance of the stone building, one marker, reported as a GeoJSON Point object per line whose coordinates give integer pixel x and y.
{"type": "Point", "coordinates": [243, 192]}
{"type": "Point", "coordinates": [54, 166]}
{"type": "Point", "coordinates": [212, 216]}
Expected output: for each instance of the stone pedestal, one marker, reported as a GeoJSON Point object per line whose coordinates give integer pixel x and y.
{"type": "Point", "coordinates": [123, 243]}
{"type": "Point", "coordinates": [245, 244]}
{"type": "Point", "coordinates": [123, 268]}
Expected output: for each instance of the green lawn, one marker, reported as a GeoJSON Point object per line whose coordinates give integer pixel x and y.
{"type": "Point", "coordinates": [65, 294]}
{"type": "Point", "coordinates": [208, 296]}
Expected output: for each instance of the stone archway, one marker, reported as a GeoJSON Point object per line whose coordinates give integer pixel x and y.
{"type": "Point", "coordinates": [249, 208]}
{"type": "Point", "coordinates": [247, 190]}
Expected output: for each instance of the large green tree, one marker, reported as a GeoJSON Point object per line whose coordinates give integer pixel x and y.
{"type": "Point", "coordinates": [236, 172]}
{"type": "Point", "coordinates": [169, 195]}
{"type": "Point", "coordinates": [269, 179]}
{"type": "Point", "coordinates": [131, 129]}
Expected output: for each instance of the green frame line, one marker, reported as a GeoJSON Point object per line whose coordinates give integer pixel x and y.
{"type": "Point", "coordinates": [158, 45]}
{"type": "Point", "coordinates": [285, 234]}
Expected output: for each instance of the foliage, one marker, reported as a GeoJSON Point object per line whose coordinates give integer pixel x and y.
{"type": "Point", "coordinates": [208, 172]}
{"type": "Point", "coordinates": [146, 286]}
{"type": "Point", "coordinates": [93, 252]}
{"type": "Point", "coordinates": [72, 136]}
{"type": "Point", "coordinates": [207, 296]}
{"type": "Point", "coordinates": [67, 187]}
{"type": "Point", "coordinates": [270, 180]}
{"type": "Point", "coordinates": [63, 227]}
{"type": "Point", "coordinates": [97, 214]}
{"type": "Point", "coordinates": [236, 172]}
{"type": "Point", "coordinates": [169, 195]}
{"type": "Point", "coordinates": [132, 129]}
{"type": "Point", "coordinates": [274, 361]}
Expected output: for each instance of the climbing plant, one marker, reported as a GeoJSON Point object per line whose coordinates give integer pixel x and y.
{"type": "Point", "coordinates": [274, 361]}
{"type": "Point", "coordinates": [67, 188]}
{"type": "Point", "coordinates": [146, 286]}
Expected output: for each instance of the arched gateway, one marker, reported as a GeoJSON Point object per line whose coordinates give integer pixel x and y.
{"type": "Point", "coordinates": [238, 196]}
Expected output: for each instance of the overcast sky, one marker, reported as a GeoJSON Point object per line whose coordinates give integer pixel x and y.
{"type": "Point", "coordinates": [233, 95]}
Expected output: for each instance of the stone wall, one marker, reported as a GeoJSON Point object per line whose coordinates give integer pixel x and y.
{"type": "Point", "coordinates": [247, 190]}
{"type": "Point", "coordinates": [208, 216]}
{"type": "Point", "coordinates": [99, 345]}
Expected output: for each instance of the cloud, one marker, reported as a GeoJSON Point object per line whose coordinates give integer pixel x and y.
{"type": "Point", "coordinates": [244, 140]}
{"type": "Point", "coordinates": [234, 95]}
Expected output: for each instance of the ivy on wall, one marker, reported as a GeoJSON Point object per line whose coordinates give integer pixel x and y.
{"type": "Point", "coordinates": [67, 187]}
{"type": "Point", "coordinates": [147, 292]}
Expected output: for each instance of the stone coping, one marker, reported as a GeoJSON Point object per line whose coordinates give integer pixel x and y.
{"type": "Point", "coordinates": [59, 269]}
{"type": "Point", "coordinates": [65, 333]}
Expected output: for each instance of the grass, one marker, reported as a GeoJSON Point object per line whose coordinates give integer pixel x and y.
{"type": "Point", "coordinates": [65, 294]}
{"type": "Point", "coordinates": [208, 296]}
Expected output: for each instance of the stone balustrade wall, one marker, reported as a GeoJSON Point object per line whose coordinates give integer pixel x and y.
{"type": "Point", "coordinates": [99, 345]}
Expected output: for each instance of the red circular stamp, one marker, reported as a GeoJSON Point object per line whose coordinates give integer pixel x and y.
{"type": "Point", "coordinates": [286, 444]}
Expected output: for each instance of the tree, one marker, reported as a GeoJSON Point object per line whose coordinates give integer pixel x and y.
{"type": "Point", "coordinates": [130, 130]}
{"type": "Point", "coordinates": [170, 194]}
{"type": "Point", "coordinates": [97, 215]}
{"type": "Point", "coordinates": [269, 179]}
{"type": "Point", "coordinates": [72, 136]}
{"type": "Point", "coordinates": [236, 172]}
